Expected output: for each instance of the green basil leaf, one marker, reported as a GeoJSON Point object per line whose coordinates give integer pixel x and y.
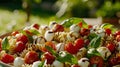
{"type": "Point", "coordinates": [91, 36]}
{"type": "Point", "coordinates": [67, 23]}
{"type": "Point", "coordinates": [5, 44]}
{"type": "Point", "coordinates": [93, 53]}
{"type": "Point", "coordinates": [95, 42]}
{"type": "Point", "coordinates": [106, 25]}
{"type": "Point", "coordinates": [67, 58]}
{"type": "Point", "coordinates": [41, 64]}
{"type": "Point", "coordinates": [33, 31]}
{"type": "Point", "coordinates": [51, 50]}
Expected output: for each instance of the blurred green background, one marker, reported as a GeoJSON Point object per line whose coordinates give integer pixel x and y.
{"type": "Point", "coordinates": [16, 14]}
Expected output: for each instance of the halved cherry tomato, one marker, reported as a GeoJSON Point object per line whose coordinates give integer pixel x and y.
{"type": "Point", "coordinates": [96, 60]}
{"type": "Point", "coordinates": [75, 65]}
{"type": "Point", "coordinates": [58, 28]}
{"type": "Point", "coordinates": [50, 44]}
{"type": "Point", "coordinates": [117, 33]}
{"type": "Point", "coordinates": [79, 43]}
{"type": "Point", "coordinates": [80, 24]}
{"type": "Point", "coordinates": [84, 32]}
{"type": "Point", "coordinates": [118, 38]}
{"type": "Point", "coordinates": [90, 26]}
{"type": "Point", "coordinates": [49, 57]}
{"type": "Point", "coordinates": [31, 57]}
{"type": "Point", "coordinates": [6, 58]}
{"type": "Point", "coordinates": [71, 48]}
{"type": "Point", "coordinates": [111, 47]}
{"type": "Point", "coordinates": [36, 26]}
{"type": "Point", "coordinates": [22, 38]}
{"type": "Point", "coordinates": [108, 31]}
{"type": "Point", "coordinates": [14, 33]}
{"type": "Point", "coordinates": [19, 46]}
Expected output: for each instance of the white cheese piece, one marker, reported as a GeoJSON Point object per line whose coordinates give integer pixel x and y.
{"type": "Point", "coordinates": [105, 52]}
{"type": "Point", "coordinates": [18, 62]}
{"type": "Point", "coordinates": [83, 62]}
{"type": "Point", "coordinates": [49, 35]}
{"type": "Point", "coordinates": [36, 64]}
{"type": "Point", "coordinates": [75, 28]}
{"type": "Point", "coordinates": [57, 64]}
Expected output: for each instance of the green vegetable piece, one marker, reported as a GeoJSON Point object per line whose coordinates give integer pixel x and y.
{"type": "Point", "coordinates": [5, 44]}
{"type": "Point", "coordinates": [106, 25]}
{"type": "Point", "coordinates": [95, 42]}
{"type": "Point", "coordinates": [33, 31]}
{"type": "Point", "coordinates": [67, 23]}
{"type": "Point", "coordinates": [41, 64]}
{"type": "Point", "coordinates": [92, 35]}
{"type": "Point", "coordinates": [93, 53]}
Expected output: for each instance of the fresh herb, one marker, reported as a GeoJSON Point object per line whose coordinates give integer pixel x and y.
{"type": "Point", "coordinates": [67, 58]}
{"type": "Point", "coordinates": [95, 42]}
{"type": "Point", "coordinates": [67, 23]}
{"type": "Point", "coordinates": [41, 64]}
{"type": "Point", "coordinates": [5, 44]}
{"type": "Point", "coordinates": [93, 53]}
{"type": "Point", "coordinates": [91, 36]}
{"type": "Point", "coordinates": [34, 32]}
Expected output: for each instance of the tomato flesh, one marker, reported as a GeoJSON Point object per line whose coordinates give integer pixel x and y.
{"type": "Point", "coordinates": [6, 58]}
{"type": "Point", "coordinates": [111, 47]}
{"type": "Point", "coordinates": [22, 38]}
{"type": "Point", "coordinates": [19, 47]}
{"type": "Point", "coordinates": [31, 57]}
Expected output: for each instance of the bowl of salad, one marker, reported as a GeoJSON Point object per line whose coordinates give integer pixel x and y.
{"type": "Point", "coordinates": [72, 43]}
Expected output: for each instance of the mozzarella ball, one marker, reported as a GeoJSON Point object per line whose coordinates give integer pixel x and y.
{"type": "Point", "coordinates": [74, 28]}
{"type": "Point", "coordinates": [18, 62]}
{"type": "Point", "coordinates": [49, 35]}
{"type": "Point", "coordinates": [105, 52]}
{"type": "Point", "coordinates": [118, 46]}
{"type": "Point", "coordinates": [52, 24]}
{"type": "Point", "coordinates": [36, 64]}
{"type": "Point", "coordinates": [57, 64]}
{"type": "Point", "coordinates": [83, 62]}
{"type": "Point", "coordinates": [60, 47]}
{"type": "Point", "coordinates": [101, 32]}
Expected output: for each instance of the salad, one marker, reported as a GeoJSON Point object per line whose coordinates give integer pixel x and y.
{"type": "Point", "coordinates": [72, 43]}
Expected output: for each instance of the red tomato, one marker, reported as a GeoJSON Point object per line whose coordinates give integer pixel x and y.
{"type": "Point", "coordinates": [113, 61]}
{"type": "Point", "coordinates": [118, 38]}
{"type": "Point", "coordinates": [0, 44]}
{"type": "Point", "coordinates": [80, 24]}
{"type": "Point", "coordinates": [71, 48]}
{"type": "Point", "coordinates": [19, 46]}
{"type": "Point", "coordinates": [75, 65]}
{"type": "Point", "coordinates": [6, 58]}
{"type": "Point", "coordinates": [14, 33]}
{"type": "Point", "coordinates": [58, 28]}
{"type": "Point", "coordinates": [84, 32]}
{"type": "Point", "coordinates": [50, 44]}
{"type": "Point", "coordinates": [22, 38]}
{"type": "Point", "coordinates": [79, 43]}
{"type": "Point", "coordinates": [117, 33]}
{"type": "Point", "coordinates": [97, 60]}
{"type": "Point", "coordinates": [49, 57]}
{"type": "Point", "coordinates": [28, 32]}
{"type": "Point", "coordinates": [31, 57]}
{"type": "Point", "coordinates": [111, 47]}
{"type": "Point", "coordinates": [36, 26]}
{"type": "Point", "coordinates": [90, 26]}
{"type": "Point", "coordinates": [108, 31]}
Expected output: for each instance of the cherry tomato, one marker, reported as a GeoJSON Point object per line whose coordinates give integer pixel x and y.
{"type": "Point", "coordinates": [36, 26]}
{"type": "Point", "coordinates": [31, 57]}
{"type": "Point", "coordinates": [90, 26]}
{"type": "Point", "coordinates": [0, 44]}
{"type": "Point", "coordinates": [84, 32]}
{"type": "Point", "coordinates": [50, 44]}
{"type": "Point", "coordinates": [71, 48]}
{"type": "Point", "coordinates": [6, 58]}
{"type": "Point", "coordinates": [118, 38]}
{"type": "Point", "coordinates": [117, 33]}
{"type": "Point", "coordinates": [49, 57]}
{"type": "Point", "coordinates": [75, 65]}
{"type": "Point", "coordinates": [22, 38]}
{"type": "Point", "coordinates": [58, 28]}
{"type": "Point", "coordinates": [108, 31]}
{"type": "Point", "coordinates": [19, 46]}
{"type": "Point", "coordinates": [14, 33]}
{"type": "Point", "coordinates": [113, 61]}
{"type": "Point", "coordinates": [97, 60]}
{"type": "Point", "coordinates": [80, 24]}
{"type": "Point", "coordinates": [79, 43]}
{"type": "Point", "coordinates": [111, 47]}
